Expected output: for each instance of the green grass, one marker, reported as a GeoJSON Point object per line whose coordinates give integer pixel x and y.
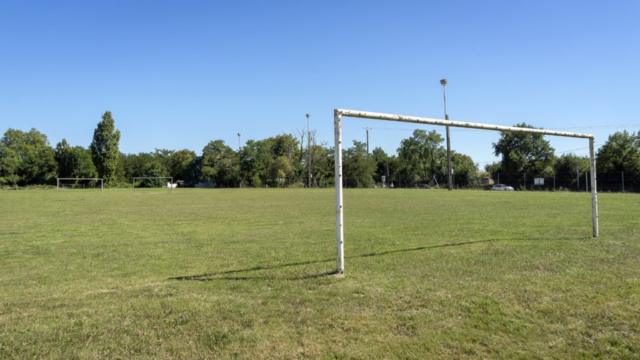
{"type": "Point", "coordinates": [248, 274]}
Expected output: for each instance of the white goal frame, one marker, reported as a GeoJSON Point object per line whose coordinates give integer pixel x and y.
{"type": "Point", "coordinates": [95, 179]}
{"type": "Point", "coordinates": [133, 182]}
{"type": "Point", "coordinates": [337, 118]}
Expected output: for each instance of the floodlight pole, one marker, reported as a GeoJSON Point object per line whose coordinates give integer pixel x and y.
{"type": "Point", "coordinates": [444, 82]}
{"type": "Point", "coordinates": [367, 129]}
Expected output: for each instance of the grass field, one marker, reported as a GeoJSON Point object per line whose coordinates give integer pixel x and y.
{"type": "Point", "coordinates": [248, 274]}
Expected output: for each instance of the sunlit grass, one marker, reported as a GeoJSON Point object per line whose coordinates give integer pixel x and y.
{"type": "Point", "coordinates": [248, 274]}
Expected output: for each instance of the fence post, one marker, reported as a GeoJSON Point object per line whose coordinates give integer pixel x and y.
{"type": "Point", "coordinates": [554, 181]}
{"type": "Point", "coordinates": [586, 182]}
{"type": "Point", "coordinates": [622, 181]}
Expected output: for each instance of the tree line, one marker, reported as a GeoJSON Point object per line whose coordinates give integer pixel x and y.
{"type": "Point", "coordinates": [531, 154]}
{"type": "Point", "coordinates": [27, 158]}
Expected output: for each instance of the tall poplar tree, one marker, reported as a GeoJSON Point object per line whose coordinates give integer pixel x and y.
{"type": "Point", "coordinates": [104, 148]}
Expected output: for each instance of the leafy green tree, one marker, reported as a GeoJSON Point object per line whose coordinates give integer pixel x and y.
{"type": "Point", "coordinates": [621, 152]}
{"type": "Point", "coordinates": [219, 164]}
{"type": "Point", "coordinates": [523, 153]}
{"type": "Point", "coordinates": [74, 161]}
{"type": "Point", "coordinates": [256, 161]}
{"type": "Point", "coordinates": [464, 169]}
{"type": "Point", "coordinates": [280, 169]}
{"type": "Point", "coordinates": [284, 145]}
{"type": "Point", "coordinates": [26, 158]}
{"type": "Point", "coordinates": [565, 169]}
{"type": "Point", "coordinates": [494, 169]}
{"type": "Point", "coordinates": [104, 148]}
{"type": "Point", "coordinates": [359, 168]}
{"type": "Point", "coordinates": [65, 159]}
{"type": "Point", "coordinates": [258, 158]}
{"type": "Point", "coordinates": [324, 168]}
{"type": "Point", "coordinates": [386, 165]}
{"type": "Point", "coordinates": [179, 162]}
{"type": "Point", "coordinates": [154, 169]}
{"type": "Point", "coordinates": [422, 155]}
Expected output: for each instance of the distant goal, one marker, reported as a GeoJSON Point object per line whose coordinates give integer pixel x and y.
{"type": "Point", "coordinates": [153, 185]}
{"type": "Point", "coordinates": [79, 183]}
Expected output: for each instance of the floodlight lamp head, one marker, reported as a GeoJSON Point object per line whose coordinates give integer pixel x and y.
{"type": "Point", "coordinates": [238, 134]}
{"type": "Point", "coordinates": [307, 115]}
{"type": "Point", "coordinates": [443, 82]}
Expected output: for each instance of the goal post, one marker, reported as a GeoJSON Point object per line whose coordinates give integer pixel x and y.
{"type": "Point", "coordinates": [78, 179]}
{"type": "Point", "coordinates": [168, 184]}
{"type": "Point", "coordinates": [339, 113]}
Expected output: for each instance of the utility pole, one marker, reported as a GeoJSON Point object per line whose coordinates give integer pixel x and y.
{"type": "Point", "coordinates": [578, 174]}
{"type": "Point", "coordinates": [239, 162]}
{"type": "Point", "coordinates": [444, 82]}
{"type": "Point", "coordinates": [309, 146]}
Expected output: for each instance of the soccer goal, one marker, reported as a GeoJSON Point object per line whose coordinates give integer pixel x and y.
{"type": "Point", "coordinates": [339, 113]}
{"type": "Point", "coordinates": [79, 183]}
{"type": "Point", "coordinates": [151, 184]}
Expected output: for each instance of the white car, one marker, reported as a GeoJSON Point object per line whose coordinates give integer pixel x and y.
{"type": "Point", "coordinates": [501, 187]}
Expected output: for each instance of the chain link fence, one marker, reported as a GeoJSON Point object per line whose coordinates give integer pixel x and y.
{"type": "Point", "coordinates": [606, 182]}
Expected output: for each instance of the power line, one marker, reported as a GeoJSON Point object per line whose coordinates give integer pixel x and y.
{"type": "Point", "coordinates": [597, 127]}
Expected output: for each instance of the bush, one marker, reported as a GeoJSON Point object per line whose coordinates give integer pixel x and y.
{"type": "Point", "coordinates": [256, 181]}
{"type": "Point", "coordinates": [120, 184]}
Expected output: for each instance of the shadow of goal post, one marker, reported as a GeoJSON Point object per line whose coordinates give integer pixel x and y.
{"type": "Point", "coordinates": [133, 182]}
{"type": "Point", "coordinates": [337, 120]}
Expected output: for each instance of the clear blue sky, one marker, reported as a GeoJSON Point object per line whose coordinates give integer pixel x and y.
{"type": "Point", "coordinates": [178, 74]}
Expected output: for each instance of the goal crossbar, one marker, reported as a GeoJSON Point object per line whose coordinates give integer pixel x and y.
{"type": "Point", "coordinates": [152, 177]}
{"type": "Point", "coordinates": [339, 113]}
{"type": "Point", "coordinates": [93, 179]}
